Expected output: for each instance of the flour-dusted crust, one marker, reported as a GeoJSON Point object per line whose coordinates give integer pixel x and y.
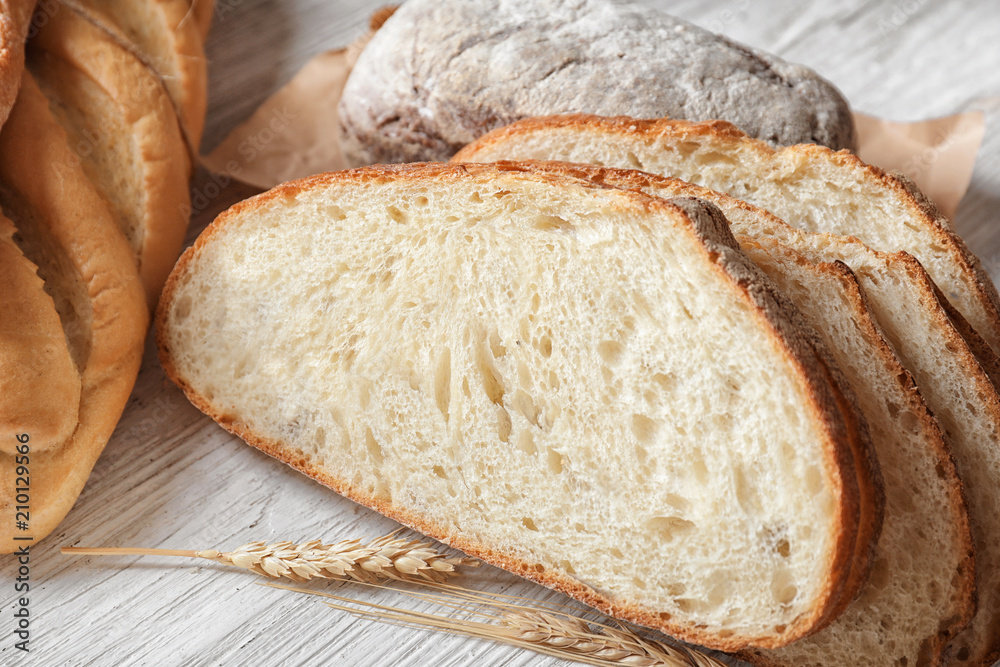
{"type": "Point", "coordinates": [439, 74]}
{"type": "Point", "coordinates": [828, 407]}
{"type": "Point", "coordinates": [70, 55]}
{"type": "Point", "coordinates": [74, 225]}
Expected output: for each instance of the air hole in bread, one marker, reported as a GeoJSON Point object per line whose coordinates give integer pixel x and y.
{"type": "Point", "coordinates": [552, 223]}
{"type": "Point", "coordinates": [396, 215]}
{"type": "Point", "coordinates": [524, 375]}
{"type": "Point", "coordinates": [745, 495]}
{"type": "Point", "coordinates": [374, 449]}
{"type": "Point", "coordinates": [784, 548]}
{"type": "Point", "coordinates": [536, 301]}
{"type": "Point", "coordinates": [698, 467]}
{"type": "Point", "coordinates": [493, 383]}
{"type": "Point", "coordinates": [634, 161]}
{"type": "Point", "coordinates": [439, 471]}
{"type": "Point", "coordinates": [553, 380]}
{"type": "Point", "coordinates": [503, 424]}
{"type": "Point", "coordinates": [666, 381]}
{"type": "Point", "coordinates": [644, 429]}
{"type": "Point", "coordinates": [529, 523]}
{"type": "Point", "coordinates": [638, 583]}
{"type": "Point", "coordinates": [496, 346]}
{"type": "Point", "coordinates": [476, 198]}
{"type": "Point", "coordinates": [524, 404]}
{"type": "Point", "coordinates": [555, 462]}
{"type": "Point", "coordinates": [669, 528]}
{"type": "Point", "coordinates": [442, 382]}
{"type": "Point", "coordinates": [610, 351]}
{"type": "Point", "coordinates": [421, 201]}
{"type": "Point", "coordinates": [335, 213]}
{"type": "Point", "coordinates": [182, 308]}
{"type": "Point", "coordinates": [617, 553]}
{"type": "Point", "coordinates": [567, 567]}
{"type": "Point", "coordinates": [879, 576]}
{"type": "Point", "coordinates": [814, 480]}
{"type": "Point", "coordinates": [526, 442]}
{"type": "Point", "coordinates": [642, 456]}
{"type": "Point", "coordinates": [545, 346]}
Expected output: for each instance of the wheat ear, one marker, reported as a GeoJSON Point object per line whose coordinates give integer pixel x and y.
{"type": "Point", "coordinates": [532, 626]}
{"type": "Point", "coordinates": [387, 557]}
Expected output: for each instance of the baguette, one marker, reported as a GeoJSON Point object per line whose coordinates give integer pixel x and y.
{"type": "Point", "coordinates": [67, 231]}
{"type": "Point", "coordinates": [170, 43]}
{"type": "Point", "coordinates": [956, 388]}
{"type": "Point", "coordinates": [419, 89]}
{"type": "Point", "coordinates": [123, 126]}
{"type": "Point", "coordinates": [487, 354]}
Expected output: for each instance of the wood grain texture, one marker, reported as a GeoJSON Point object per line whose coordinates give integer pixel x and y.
{"type": "Point", "coordinates": [171, 478]}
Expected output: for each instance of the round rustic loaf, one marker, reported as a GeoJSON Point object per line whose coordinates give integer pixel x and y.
{"type": "Point", "coordinates": [440, 73]}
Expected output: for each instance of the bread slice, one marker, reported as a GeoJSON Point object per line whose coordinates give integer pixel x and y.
{"type": "Point", "coordinates": [922, 590]}
{"type": "Point", "coordinates": [65, 229]}
{"type": "Point", "coordinates": [808, 186]}
{"type": "Point", "coordinates": [904, 302]}
{"type": "Point", "coordinates": [592, 388]}
{"type": "Point", "coordinates": [123, 129]}
{"type": "Point", "coordinates": [171, 43]}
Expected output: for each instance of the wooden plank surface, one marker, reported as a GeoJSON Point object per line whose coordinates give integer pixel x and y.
{"type": "Point", "coordinates": [171, 478]}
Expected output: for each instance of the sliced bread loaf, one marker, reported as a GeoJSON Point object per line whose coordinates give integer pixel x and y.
{"type": "Point", "coordinates": [66, 230]}
{"type": "Point", "coordinates": [807, 186]}
{"type": "Point", "coordinates": [123, 129]}
{"type": "Point", "coordinates": [590, 387]}
{"type": "Point", "coordinates": [904, 302]}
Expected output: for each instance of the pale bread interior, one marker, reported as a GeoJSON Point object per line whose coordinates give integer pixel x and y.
{"type": "Point", "coordinates": [546, 371]}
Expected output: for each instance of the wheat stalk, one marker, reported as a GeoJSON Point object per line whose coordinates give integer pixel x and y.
{"type": "Point", "coordinates": [532, 626]}
{"type": "Point", "coordinates": [387, 557]}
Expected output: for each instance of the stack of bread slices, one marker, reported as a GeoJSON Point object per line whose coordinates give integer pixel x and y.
{"type": "Point", "coordinates": [741, 395]}
{"type": "Point", "coordinates": [911, 318]}
{"type": "Point", "coordinates": [95, 159]}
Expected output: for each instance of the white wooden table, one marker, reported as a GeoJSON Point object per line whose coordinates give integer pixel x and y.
{"type": "Point", "coordinates": [171, 478]}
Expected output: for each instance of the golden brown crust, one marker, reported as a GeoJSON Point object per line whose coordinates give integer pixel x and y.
{"type": "Point", "coordinates": [983, 312]}
{"type": "Point", "coordinates": [15, 19]}
{"type": "Point", "coordinates": [721, 250]}
{"type": "Point", "coordinates": [37, 164]}
{"type": "Point", "coordinates": [38, 378]}
{"type": "Point", "coordinates": [169, 43]}
{"type": "Point", "coordinates": [201, 13]}
{"type": "Point", "coordinates": [70, 47]}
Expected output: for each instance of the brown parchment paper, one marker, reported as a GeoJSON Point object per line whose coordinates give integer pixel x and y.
{"type": "Point", "coordinates": [295, 134]}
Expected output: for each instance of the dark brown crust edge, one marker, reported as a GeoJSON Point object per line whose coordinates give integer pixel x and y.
{"type": "Point", "coordinates": [710, 227]}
